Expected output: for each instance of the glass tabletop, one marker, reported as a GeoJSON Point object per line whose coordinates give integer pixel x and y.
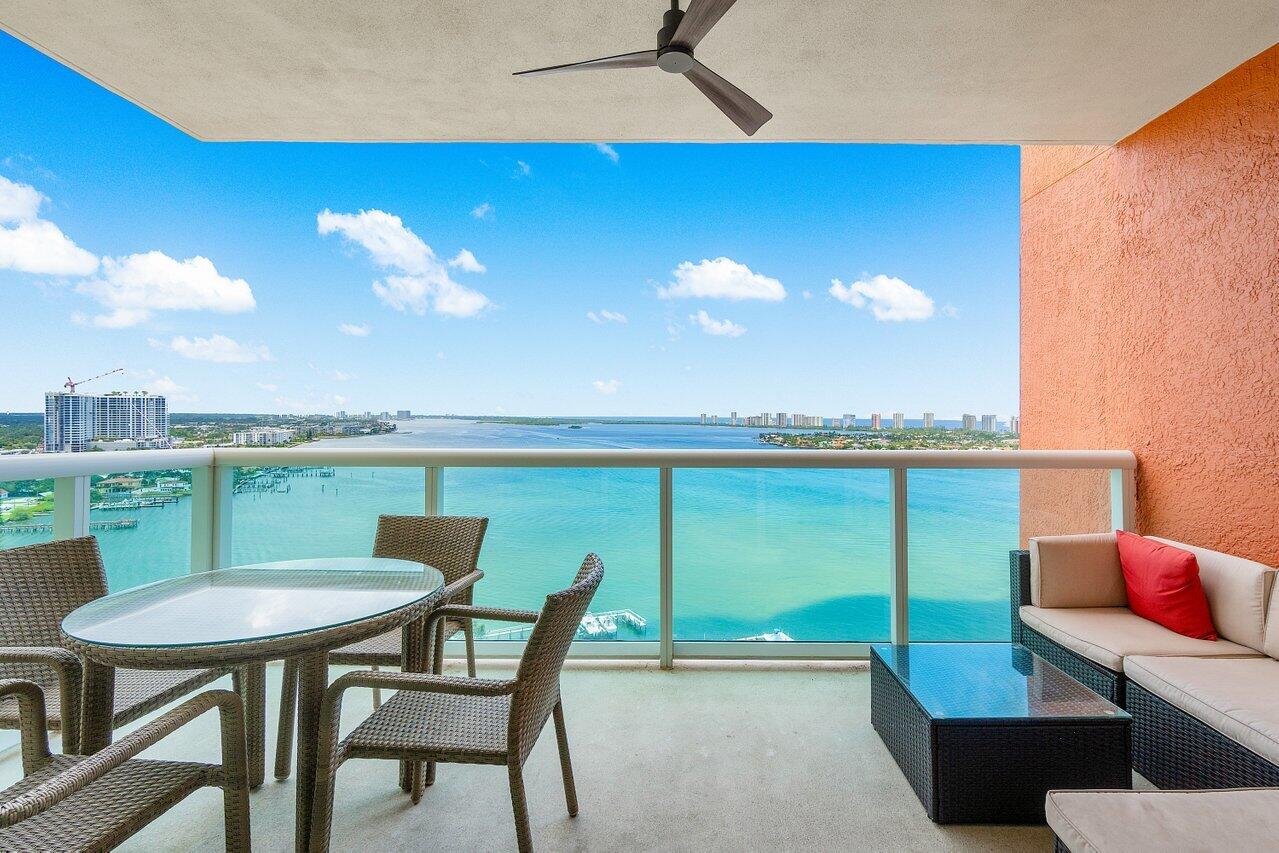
{"type": "Point", "coordinates": [983, 681]}
{"type": "Point", "coordinates": [254, 602]}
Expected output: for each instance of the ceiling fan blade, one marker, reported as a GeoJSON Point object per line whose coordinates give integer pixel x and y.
{"type": "Point", "coordinates": [698, 19]}
{"type": "Point", "coordinates": [746, 112]}
{"type": "Point", "coordinates": [639, 59]}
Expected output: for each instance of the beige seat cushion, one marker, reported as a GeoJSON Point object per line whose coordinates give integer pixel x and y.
{"type": "Point", "coordinates": [1238, 592]}
{"type": "Point", "coordinates": [1237, 697]}
{"type": "Point", "coordinates": [1238, 821]}
{"type": "Point", "coordinates": [1107, 635]}
{"type": "Point", "coordinates": [1076, 571]}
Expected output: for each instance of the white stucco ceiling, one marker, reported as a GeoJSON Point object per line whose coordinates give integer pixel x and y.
{"type": "Point", "coordinates": [838, 70]}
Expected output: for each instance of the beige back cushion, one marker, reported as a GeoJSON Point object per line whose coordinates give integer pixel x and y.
{"type": "Point", "coordinates": [1238, 592]}
{"type": "Point", "coordinates": [1272, 628]}
{"type": "Point", "coordinates": [1076, 571]}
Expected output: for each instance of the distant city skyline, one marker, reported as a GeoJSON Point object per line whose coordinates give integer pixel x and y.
{"type": "Point", "coordinates": [520, 279]}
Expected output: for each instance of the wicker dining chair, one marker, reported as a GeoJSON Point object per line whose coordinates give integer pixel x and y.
{"type": "Point", "coordinates": [41, 584]}
{"type": "Point", "coordinates": [439, 718]}
{"type": "Point", "coordinates": [71, 802]}
{"type": "Point", "coordinates": [450, 543]}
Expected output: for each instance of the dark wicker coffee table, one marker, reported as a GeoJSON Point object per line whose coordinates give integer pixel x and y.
{"type": "Point", "coordinates": [982, 731]}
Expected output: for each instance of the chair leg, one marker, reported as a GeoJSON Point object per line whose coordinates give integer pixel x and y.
{"type": "Point", "coordinates": [425, 775]}
{"type": "Point", "coordinates": [377, 692]}
{"type": "Point", "coordinates": [520, 807]}
{"type": "Point", "coordinates": [566, 764]}
{"type": "Point", "coordinates": [468, 630]}
{"type": "Point", "coordinates": [250, 683]}
{"type": "Point", "coordinates": [288, 716]}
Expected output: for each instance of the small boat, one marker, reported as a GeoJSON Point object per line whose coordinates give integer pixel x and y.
{"type": "Point", "coordinates": [777, 635]}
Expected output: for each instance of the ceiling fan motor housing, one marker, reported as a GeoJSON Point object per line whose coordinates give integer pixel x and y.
{"type": "Point", "coordinates": [673, 59]}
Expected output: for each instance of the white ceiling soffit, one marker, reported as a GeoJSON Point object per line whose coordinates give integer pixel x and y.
{"type": "Point", "coordinates": [1019, 71]}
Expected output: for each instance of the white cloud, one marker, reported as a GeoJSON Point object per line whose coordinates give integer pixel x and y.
{"type": "Point", "coordinates": [808, 294]}
{"type": "Point", "coordinates": [483, 210]}
{"type": "Point", "coordinates": [382, 235]}
{"type": "Point", "coordinates": [466, 262]}
{"type": "Point", "coordinates": [522, 169]}
{"type": "Point", "coordinates": [606, 316]}
{"type": "Point", "coordinates": [361, 330]}
{"type": "Point", "coordinates": [722, 328]}
{"type": "Point", "coordinates": [950, 310]}
{"type": "Point", "coordinates": [343, 376]}
{"type": "Point", "coordinates": [608, 151]}
{"type": "Point", "coordinates": [889, 299]}
{"type": "Point", "coordinates": [607, 386]}
{"type": "Point", "coordinates": [18, 202]}
{"type": "Point", "coordinates": [722, 278]}
{"type": "Point", "coordinates": [268, 386]}
{"type": "Point", "coordinates": [33, 245]}
{"type": "Point", "coordinates": [134, 287]}
{"type": "Point", "coordinates": [216, 348]}
{"type": "Point", "coordinates": [425, 283]}
{"type": "Point", "coordinates": [166, 387]}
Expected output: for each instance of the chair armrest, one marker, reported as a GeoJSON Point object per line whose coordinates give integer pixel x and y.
{"type": "Point", "coordinates": [32, 721]}
{"type": "Point", "coordinates": [467, 611]}
{"type": "Point", "coordinates": [70, 673]}
{"type": "Point", "coordinates": [1019, 587]}
{"type": "Point", "coordinates": [421, 682]}
{"type": "Point", "coordinates": [94, 767]}
{"type": "Point", "coordinates": [461, 585]}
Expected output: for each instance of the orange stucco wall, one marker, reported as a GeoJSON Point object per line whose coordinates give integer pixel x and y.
{"type": "Point", "coordinates": [1150, 318]}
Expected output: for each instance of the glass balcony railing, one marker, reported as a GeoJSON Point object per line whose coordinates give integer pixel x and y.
{"type": "Point", "coordinates": [794, 553]}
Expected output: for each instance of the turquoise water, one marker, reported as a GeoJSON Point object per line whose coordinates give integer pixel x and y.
{"type": "Point", "coordinates": [756, 550]}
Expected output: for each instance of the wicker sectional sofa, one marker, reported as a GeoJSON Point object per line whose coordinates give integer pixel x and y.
{"type": "Point", "coordinates": [1205, 713]}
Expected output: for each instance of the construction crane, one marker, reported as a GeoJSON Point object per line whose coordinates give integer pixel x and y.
{"type": "Point", "coordinates": [71, 384]}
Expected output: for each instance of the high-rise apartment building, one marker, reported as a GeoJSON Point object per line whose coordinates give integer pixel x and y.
{"type": "Point", "coordinates": [341, 415]}
{"type": "Point", "coordinates": [970, 422]}
{"type": "Point", "coordinates": [875, 421]}
{"type": "Point", "coordinates": [1014, 424]}
{"type": "Point", "coordinates": [928, 420]}
{"type": "Point", "coordinates": [73, 422]}
{"type": "Point", "coordinates": [733, 417]}
{"type": "Point", "coordinates": [989, 423]}
{"type": "Point", "coordinates": [899, 420]}
{"type": "Point", "coordinates": [848, 421]}
{"type": "Point", "coordinates": [403, 414]}
{"type": "Point", "coordinates": [715, 420]}
{"type": "Point", "coordinates": [781, 419]}
{"type": "Point", "coordinates": [703, 419]}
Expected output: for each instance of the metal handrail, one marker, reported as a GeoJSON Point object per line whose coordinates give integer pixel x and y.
{"type": "Point", "coordinates": [39, 465]}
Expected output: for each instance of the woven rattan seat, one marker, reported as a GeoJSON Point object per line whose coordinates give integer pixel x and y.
{"type": "Point", "coordinates": [41, 584]}
{"type": "Point", "coordinates": [449, 543]}
{"type": "Point", "coordinates": [437, 718]}
{"type": "Point", "coordinates": [138, 692]}
{"type": "Point", "coordinates": [446, 727]}
{"type": "Point", "coordinates": [90, 803]}
{"type": "Point", "coordinates": [98, 816]}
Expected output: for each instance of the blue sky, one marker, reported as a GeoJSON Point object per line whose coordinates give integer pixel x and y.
{"type": "Point", "coordinates": [656, 279]}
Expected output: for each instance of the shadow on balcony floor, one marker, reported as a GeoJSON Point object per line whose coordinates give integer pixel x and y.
{"type": "Point", "coordinates": [707, 757]}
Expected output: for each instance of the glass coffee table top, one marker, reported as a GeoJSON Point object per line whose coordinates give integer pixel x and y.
{"type": "Point", "coordinates": [986, 681]}
{"type": "Point", "coordinates": [254, 602]}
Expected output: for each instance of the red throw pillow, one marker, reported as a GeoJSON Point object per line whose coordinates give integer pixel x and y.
{"type": "Point", "coordinates": [1163, 585]}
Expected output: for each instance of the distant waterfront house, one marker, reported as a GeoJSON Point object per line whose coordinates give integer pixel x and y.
{"type": "Point", "coordinates": [119, 485]}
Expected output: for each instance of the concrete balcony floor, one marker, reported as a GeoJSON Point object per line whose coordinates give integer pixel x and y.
{"type": "Point", "coordinates": [706, 757]}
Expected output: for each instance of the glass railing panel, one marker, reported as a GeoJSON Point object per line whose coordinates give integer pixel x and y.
{"type": "Point", "coordinates": [317, 511]}
{"type": "Point", "coordinates": [26, 512]}
{"type": "Point", "coordinates": [142, 521]}
{"type": "Point", "coordinates": [786, 554]}
{"type": "Point", "coordinates": [961, 524]}
{"type": "Point", "coordinates": [543, 521]}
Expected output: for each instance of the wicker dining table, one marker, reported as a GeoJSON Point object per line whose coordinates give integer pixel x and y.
{"type": "Point", "coordinates": [243, 616]}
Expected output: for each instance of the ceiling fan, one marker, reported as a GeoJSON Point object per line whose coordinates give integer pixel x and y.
{"type": "Point", "coordinates": [680, 34]}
